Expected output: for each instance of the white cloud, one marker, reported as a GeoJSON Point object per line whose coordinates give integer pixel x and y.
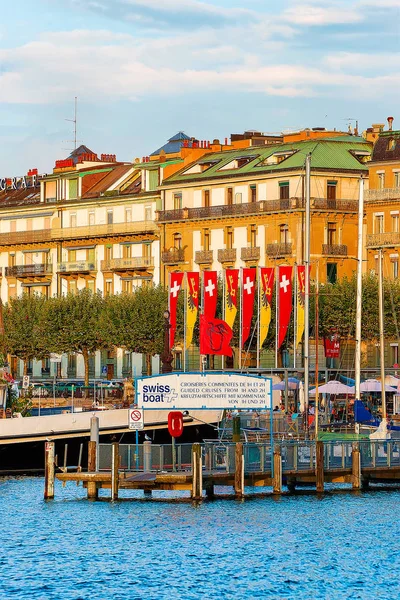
{"type": "Point", "coordinates": [313, 15]}
{"type": "Point", "coordinates": [364, 62]}
{"type": "Point", "coordinates": [55, 67]}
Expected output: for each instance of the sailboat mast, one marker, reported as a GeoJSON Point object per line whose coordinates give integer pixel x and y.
{"type": "Point", "coordinates": [357, 365]}
{"type": "Point", "coordinates": [382, 335]}
{"type": "Point", "coordinates": [316, 352]}
{"type": "Point", "coordinates": [307, 286]}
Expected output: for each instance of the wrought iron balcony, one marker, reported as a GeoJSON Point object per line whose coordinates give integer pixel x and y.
{"type": "Point", "coordinates": [334, 204]}
{"type": "Point", "coordinates": [173, 256]}
{"type": "Point", "coordinates": [227, 255]}
{"type": "Point", "coordinates": [37, 270]}
{"type": "Point", "coordinates": [25, 237]}
{"type": "Point", "coordinates": [127, 264]}
{"type": "Point", "coordinates": [383, 194]}
{"type": "Point", "coordinates": [278, 249]}
{"type": "Point", "coordinates": [78, 266]}
{"type": "Point", "coordinates": [226, 210]}
{"type": "Point", "coordinates": [204, 257]}
{"type": "Point", "coordinates": [380, 240]}
{"type": "Point", "coordinates": [248, 254]}
{"type": "Point", "coordinates": [334, 250]}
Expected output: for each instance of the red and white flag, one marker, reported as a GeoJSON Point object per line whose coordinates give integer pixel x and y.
{"type": "Point", "coordinates": [215, 336]}
{"type": "Point", "coordinates": [175, 286]}
{"type": "Point", "coordinates": [248, 295]}
{"type": "Point", "coordinates": [285, 301]}
{"type": "Point", "coordinates": [210, 290]}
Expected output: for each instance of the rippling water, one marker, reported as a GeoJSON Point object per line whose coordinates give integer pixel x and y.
{"type": "Point", "coordinates": [340, 545]}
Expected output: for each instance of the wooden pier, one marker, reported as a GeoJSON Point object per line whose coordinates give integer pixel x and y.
{"type": "Point", "coordinates": [237, 466]}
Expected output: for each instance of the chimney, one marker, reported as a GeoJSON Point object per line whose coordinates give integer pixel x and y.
{"type": "Point", "coordinates": [390, 123]}
{"type": "Point", "coordinates": [226, 141]}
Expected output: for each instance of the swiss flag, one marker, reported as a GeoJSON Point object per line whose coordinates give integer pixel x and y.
{"type": "Point", "coordinates": [210, 293]}
{"type": "Point", "coordinates": [215, 336]}
{"type": "Point", "coordinates": [285, 301]}
{"type": "Point", "coordinates": [248, 294]}
{"type": "Point", "coordinates": [175, 285]}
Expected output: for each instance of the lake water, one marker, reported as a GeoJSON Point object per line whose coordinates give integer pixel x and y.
{"type": "Point", "coordinates": [339, 545]}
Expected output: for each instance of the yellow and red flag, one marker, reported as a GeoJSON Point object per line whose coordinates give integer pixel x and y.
{"type": "Point", "coordinates": [192, 305]}
{"type": "Point", "coordinates": [231, 295]}
{"type": "Point", "coordinates": [301, 295]}
{"type": "Point", "coordinates": [267, 286]}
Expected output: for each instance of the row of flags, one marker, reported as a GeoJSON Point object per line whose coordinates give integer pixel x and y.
{"type": "Point", "coordinates": [240, 292]}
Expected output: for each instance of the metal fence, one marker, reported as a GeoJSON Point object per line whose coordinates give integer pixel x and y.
{"type": "Point", "coordinates": [219, 457]}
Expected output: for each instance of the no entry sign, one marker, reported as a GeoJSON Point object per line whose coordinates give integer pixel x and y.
{"type": "Point", "coordinates": [136, 419]}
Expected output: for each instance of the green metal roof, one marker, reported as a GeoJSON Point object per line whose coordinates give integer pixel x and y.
{"type": "Point", "coordinates": [336, 154]}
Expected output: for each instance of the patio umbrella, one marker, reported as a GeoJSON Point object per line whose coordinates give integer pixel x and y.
{"type": "Point", "coordinates": [373, 385]}
{"type": "Point", "coordinates": [293, 384]}
{"type": "Point", "coordinates": [392, 380]}
{"type": "Point", "coordinates": [333, 387]}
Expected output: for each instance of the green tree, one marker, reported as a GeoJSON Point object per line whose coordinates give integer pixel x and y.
{"type": "Point", "coordinates": [23, 328]}
{"type": "Point", "coordinates": [73, 324]}
{"type": "Point", "coordinates": [135, 321]}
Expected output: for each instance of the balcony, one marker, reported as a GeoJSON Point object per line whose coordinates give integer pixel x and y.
{"type": "Point", "coordinates": [204, 257]}
{"type": "Point", "coordinates": [227, 255]}
{"type": "Point", "coordinates": [382, 240]}
{"type": "Point", "coordinates": [173, 256]}
{"type": "Point", "coordinates": [278, 250]}
{"type": "Point", "coordinates": [250, 254]}
{"type": "Point", "coordinates": [350, 206]}
{"type": "Point", "coordinates": [75, 233]}
{"type": "Point", "coordinates": [25, 237]}
{"type": "Point", "coordinates": [227, 210]}
{"type": "Point", "coordinates": [127, 265]}
{"type": "Point", "coordinates": [382, 195]}
{"type": "Point", "coordinates": [106, 230]}
{"type": "Point", "coordinates": [334, 250]}
{"type": "Point", "coordinates": [78, 267]}
{"type": "Point", "coordinates": [34, 272]}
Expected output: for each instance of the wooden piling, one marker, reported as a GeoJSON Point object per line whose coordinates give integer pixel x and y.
{"type": "Point", "coordinates": [319, 466]}
{"type": "Point", "coordinates": [236, 429]}
{"type": "Point", "coordinates": [49, 471]}
{"type": "Point", "coordinates": [92, 490]}
{"type": "Point", "coordinates": [239, 471]}
{"type": "Point", "coordinates": [277, 479]}
{"type": "Point", "coordinates": [356, 466]}
{"type": "Point", "coordinates": [115, 471]}
{"type": "Point", "coordinates": [197, 473]}
{"type": "Point", "coordinates": [147, 456]}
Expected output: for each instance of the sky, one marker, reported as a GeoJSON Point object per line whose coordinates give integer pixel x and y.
{"type": "Point", "coordinates": [144, 69]}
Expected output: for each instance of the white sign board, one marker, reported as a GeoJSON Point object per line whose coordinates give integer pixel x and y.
{"type": "Point", "coordinates": [136, 419]}
{"type": "Point", "coordinates": [55, 358]}
{"type": "Point", "coordinates": [215, 391]}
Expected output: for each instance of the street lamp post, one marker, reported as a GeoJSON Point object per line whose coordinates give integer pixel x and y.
{"type": "Point", "coordinates": [166, 356]}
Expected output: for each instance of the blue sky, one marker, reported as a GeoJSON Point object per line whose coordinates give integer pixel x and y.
{"type": "Point", "coordinates": [144, 69]}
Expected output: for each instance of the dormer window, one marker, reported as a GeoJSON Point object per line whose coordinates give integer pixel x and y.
{"type": "Point", "coordinates": [391, 144]}
{"type": "Point", "coordinates": [237, 163]}
{"type": "Point", "coordinates": [276, 158]}
{"type": "Point", "coordinates": [200, 167]}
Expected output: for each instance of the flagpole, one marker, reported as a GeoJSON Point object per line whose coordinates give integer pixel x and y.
{"type": "Point", "coordinates": [296, 291]}
{"type": "Point", "coordinates": [223, 308]}
{"type": "Point", "coordinates": [258, 316]}
{"type": "Point", "coordinates": [185, 297]}
{"type": "Point", "coordinates": [307, 289]}
{"type": "Point", "coordinates": [276, 314]}
{"type": "Point", "coordinates": [201, 306]}
{"type": "Point", "coordinates": [240, 316]}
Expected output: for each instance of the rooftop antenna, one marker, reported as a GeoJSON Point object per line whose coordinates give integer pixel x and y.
{"type": "Point", "coordinates": [74, 120]}
{"type": "Point", "coordinates": [349, 121]}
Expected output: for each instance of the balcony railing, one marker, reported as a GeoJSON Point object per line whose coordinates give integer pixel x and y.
{"type": "Point", "coordinates": [204, 257]}
{"type": "Point", "coordinates": [227, 255]}
{"type": "Point", "coordinates": [334, 249]}
{"type": "Point", "coordinates": [103, 230]}
{"type": "Point", "coordinates": [254, 208]}
{"type": "Point", "coordinates": [126, 264]}
{"type": "Point", "coordinates": [278, 249]}
{"type": "Point", "coordinates": [378, 240]}
{"type": "Point", "coordinates": [78, 266]}
{"type": "Point", "coordinates": [383, 194]}
{"type": "Point", "coordinates": [173, 256]}
{"type": "Point", "coordinates": [334, 204]}
{"type": "Point", "coordinates": [29, 270]}
{"type": "Point", "coordinates": [250, 253]}
{"type": "Point", "coordinates": [73, 233]}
